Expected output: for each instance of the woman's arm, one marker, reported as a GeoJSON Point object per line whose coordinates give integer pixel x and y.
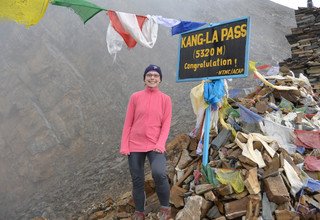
{"type": "Point", "coordinates": [124, 148]}
{"type": "Point", "coordinates": [165, 127]}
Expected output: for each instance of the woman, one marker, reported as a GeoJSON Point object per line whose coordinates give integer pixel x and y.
{"type": "Point", "coordinates": [145, 132]}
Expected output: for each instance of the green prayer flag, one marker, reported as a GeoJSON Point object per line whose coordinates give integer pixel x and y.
{"type": "Point", "coordinates": [83, 8]}
{"type": "Point", "coordinates": [210, 175]}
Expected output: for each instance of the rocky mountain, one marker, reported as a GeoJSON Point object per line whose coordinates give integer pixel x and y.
{"type": "Point", "coordinates": [63, 98]}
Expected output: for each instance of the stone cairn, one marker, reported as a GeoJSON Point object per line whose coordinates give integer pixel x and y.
{"type": "Point", "coordinates": [305, 46]}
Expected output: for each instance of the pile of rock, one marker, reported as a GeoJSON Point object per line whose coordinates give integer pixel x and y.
{"type": "Point", "coordinates": [231, 186]}
{"type": "Point", "coordinates": [258, 173]}
{"type": "Point", "coordinates": [305, 46]}
{"type": "Point", "coordinates": [249, 175]}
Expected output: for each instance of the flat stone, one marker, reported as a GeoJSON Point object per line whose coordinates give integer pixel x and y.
{"type": "Point", "coordinates": [185, 175]}
{"type": "Point", "coordinates": [149, 186]}
{"type": "Point", "coordinates": [225, 190]}
{"type": "Point", "coordinates": [216, 201]}
{"type": "Point", "coordinates": [266, 207]}
{"type": "Point", "coordinates": [220, 206]}
{"type": "Point", "coordinates": [210, 196]}
{"type": "Point", "coordinates": [317, 197]}
{"type": "Point", "coordinates": [221, 139]}
{"type": "Point", "coordinates": [262, 107]}
{"type": "Point", "coordinates": [188, 180]}
{"type": "Point", "coordinates": [174, 149]}
{"type": "Point", "coordinates": [184, 160]}
{"type": "Point", "coordinates": [125, 202]}
{"type": "Point", "coordinates": [201, 189]}
{"type": "Point", "coordinates": [185, 186]}
{"type": "Point", "coordinates": [152, 204]}
{"type": "Point", "coordinates": [272, 167]}
{"type": "Point", "coordinates": [247, 167]}
{"type": "Point", "coordinates": [276, 190]}
{"type": "Point", "coordinates": [266, 157]}
{"type": "Point", "coordinates": [215, 163]}
{"type": "Point", "coordinates": [213, 213]}
{"type": "Point", "coordinates": [246, 160]}
{"type": "Point", "coordinates": [286, 215]}
{"type": "Point", "coordinates": [237, 196]}
{"type": "Point", "coordinates": [193, 144]}
{"type": "Point", "coordinates": [225, 165]}
{"type": "Point", "coordinates": [253, 207]}
{"type": "Point", "coordinates": [110, 215]}
{"type": "Point", "coordinates": [180, 142]}
{"type": "Point", "coordinates": [284, 206]}
{"type": "Point", "coordinates": [236, 208]}
{"type": "Point", "coordinates": [123, 215]}
{"type": "Point", "coordinates": [206, 205]}
{"type": "Point", "coordinates": [176, 196]}
{"type": "Point", "coordinates": [292, 95]}
{"type": "Point", "coordinates": [193, 153]}
{"type": "Point", "coordinates": [220, 218]}
{"type": "Point", "coordinates": [312, 202]}
{"type": "Point", "coordinates": [234, 153]}
{"type": "Point", "coordinates": [251, 182]}
{"type": "Point", "coordinates": [297, 158]}
{"type": "Point", "coordinates": [97, 215]}
{"type": "Point", "coordinates": [231, 145]}
{"type": "Point", "coordinates": [192, 209]}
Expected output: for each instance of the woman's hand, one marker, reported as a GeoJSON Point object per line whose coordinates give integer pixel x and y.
{"type": "Point", "coordinates": [125, 153]}
{"type": "Point", "coordinates": [157, 150]}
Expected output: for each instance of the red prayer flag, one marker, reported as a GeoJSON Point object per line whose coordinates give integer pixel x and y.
{"type": "Point", "coordinates": [307, 139]}
{"type": "Point", "coordinates": [116, 24]}
{"type": "Point", "coordinates": [262, 67]}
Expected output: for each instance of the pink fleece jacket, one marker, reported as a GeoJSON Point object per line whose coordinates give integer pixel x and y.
{"type": "Point", "coordinates": [147, 122]}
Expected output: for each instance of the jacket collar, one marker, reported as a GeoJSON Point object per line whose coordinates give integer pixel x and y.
{"type": "Point", "coordinates": [149, 89]}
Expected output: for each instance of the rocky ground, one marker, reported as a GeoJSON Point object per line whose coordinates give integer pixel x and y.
{"type": "Point", "coordinates": [63, 98]}
{"type": "Point", "coordinates": [264, 165]}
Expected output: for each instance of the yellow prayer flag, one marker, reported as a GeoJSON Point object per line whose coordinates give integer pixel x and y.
{"type": "Point", "coordinates": [252, 66]}
{"type": "Point", "coordinates": [27, 12]}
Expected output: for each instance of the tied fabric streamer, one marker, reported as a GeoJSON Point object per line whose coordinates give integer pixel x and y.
{"type": "Point", "coordinates": [214, 92]}
{"type": "Point", "coordinates": [26, 12]}
{"type": "Point", "coordinates": [84, 9]}
{"type": "Point", "coordinates": [249, 116]}
{"type": "Point", "coordinates": [184, 26]}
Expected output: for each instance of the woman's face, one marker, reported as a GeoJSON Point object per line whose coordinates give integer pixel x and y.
{"type": "Point", "coordinates": [152, 79]}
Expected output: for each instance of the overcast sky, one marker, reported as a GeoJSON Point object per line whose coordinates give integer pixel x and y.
{"type": "Point", "coordinates": [296, 3]}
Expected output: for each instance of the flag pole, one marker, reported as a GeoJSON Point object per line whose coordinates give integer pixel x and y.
{"type": "Point", "coordinates": [205, 154]}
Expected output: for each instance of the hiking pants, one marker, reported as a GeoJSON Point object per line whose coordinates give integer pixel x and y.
{"type": "Point", "coordinates": [158, 168]}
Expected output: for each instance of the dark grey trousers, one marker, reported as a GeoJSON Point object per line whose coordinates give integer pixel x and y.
{"type": "Point", "coordinates": [158, 168]}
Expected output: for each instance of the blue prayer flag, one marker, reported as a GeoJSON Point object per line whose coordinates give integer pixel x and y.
{"type": "Point", "coordinates": [249, 116]}
{"type": "Point", "coordinates": [184, 26]}
{"type": "Point", "coordinates": [213, 91]}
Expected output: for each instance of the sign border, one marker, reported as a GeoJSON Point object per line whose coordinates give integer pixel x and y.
{"type": "Point", "coordinates": [246, 62]}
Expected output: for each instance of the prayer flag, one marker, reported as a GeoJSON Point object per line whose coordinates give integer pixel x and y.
{"type": "Point", "coordinates": [24, 12]}
{"type": "Point", "coordinates": [184, 26]}
{"type": "Point", "coordinates": [117, 25]}
{"type": "Point", "coordinates": [83, 8]}
{"type": "Point", "coordinates": [249, 116]}
{"type": "Point", "coordinates": [167, 22]}
{"type": "Point", "coordinates": [131, 29]}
